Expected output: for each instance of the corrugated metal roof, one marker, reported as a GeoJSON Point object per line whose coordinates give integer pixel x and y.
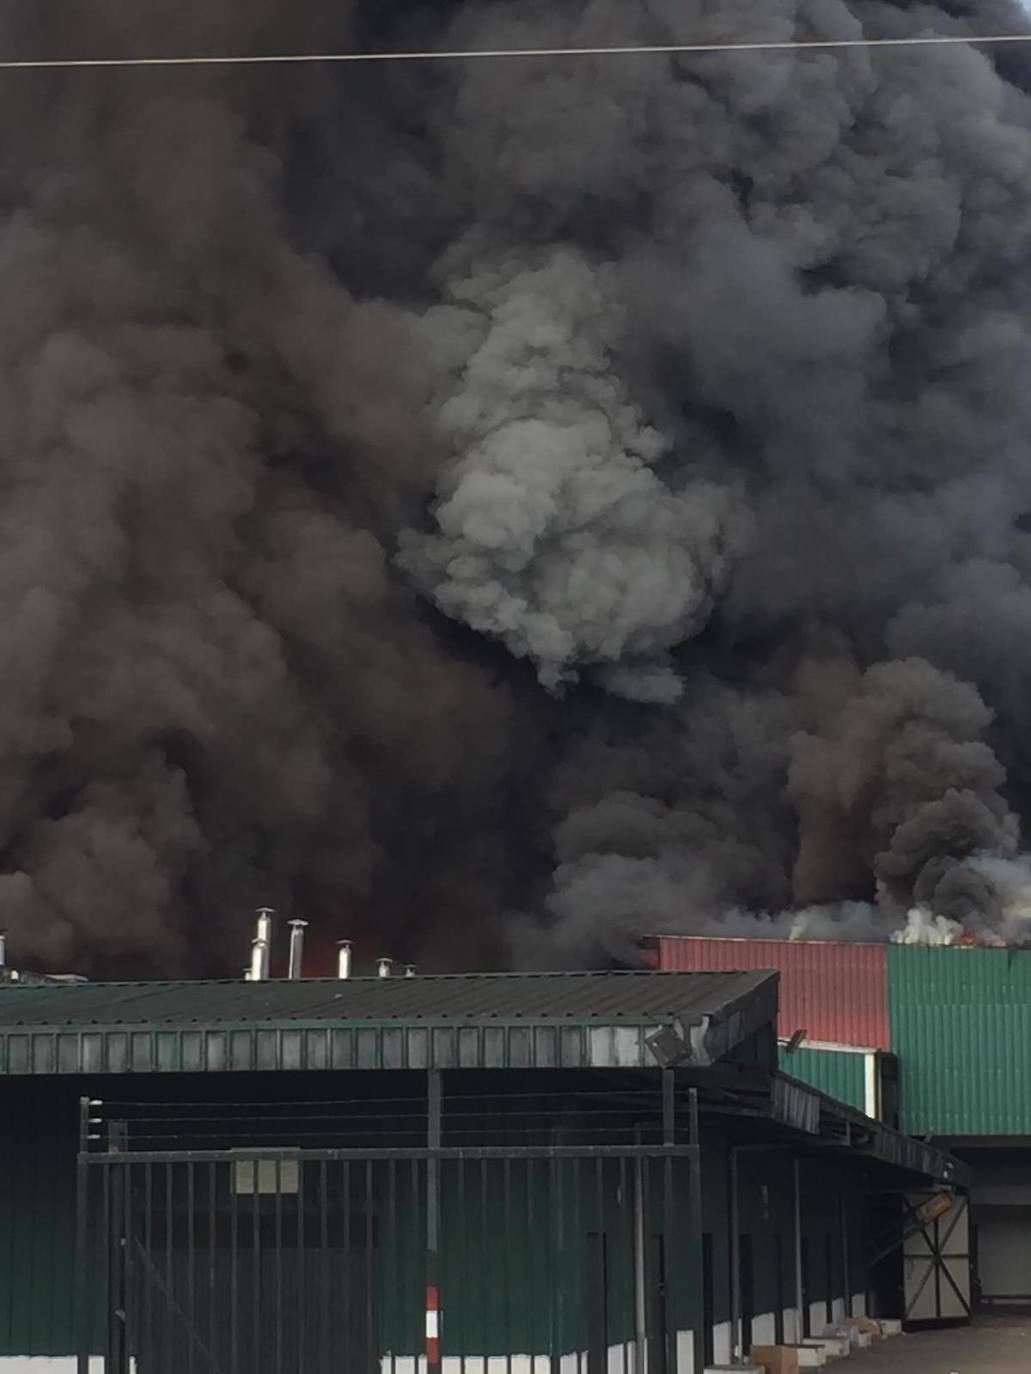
{"type": "Point", "coordinates": [961, 1027]}
{"type": "Point", "coordinates": [499, 996]}
{"type": "Point", "coordinates": [574, 1020]}
{"type": "Point", "coordinates": [834, 991]}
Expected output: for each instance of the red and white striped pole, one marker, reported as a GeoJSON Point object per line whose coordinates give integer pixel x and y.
{"type": "Point", "coordinates": [434, 1118]}
{"type": "Point", "coordinates": [432, 1328]}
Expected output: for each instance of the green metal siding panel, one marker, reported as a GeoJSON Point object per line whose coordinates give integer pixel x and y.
{"type": "Point", "coordinates": [37, 1237]}
{"type": "Point", "coordinates": [961, 1027]}
{"type": "Point", "coordinates": [837, 1073]}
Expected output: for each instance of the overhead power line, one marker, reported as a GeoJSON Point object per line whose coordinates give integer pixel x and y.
{"type": "Point", "coordinates": [488, 54]}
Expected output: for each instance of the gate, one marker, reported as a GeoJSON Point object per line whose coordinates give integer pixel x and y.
{"type": "Point", "coordinates": [540, 1258]}
{"type": "Point", "coordinates": [936, 1258]}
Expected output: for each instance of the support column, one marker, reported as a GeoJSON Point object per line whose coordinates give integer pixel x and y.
{"type": "Point", "coordinates": [799, 1294]}
{"type": "Point", "coordinates": [83, 1324]}
{"type": "Point", "coordinates": [433, 1140]}
{"type": "Point", "coordinates": [736, 1351]}
{"type": "Point", "coordinates": [697, 1231]}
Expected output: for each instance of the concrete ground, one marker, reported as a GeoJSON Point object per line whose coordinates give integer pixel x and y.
{"type": "Point", "coordinates": [995, 1345]}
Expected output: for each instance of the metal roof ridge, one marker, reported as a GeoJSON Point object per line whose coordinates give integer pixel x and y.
{"type": "Point", "coordinates": [645, 940]}
{"type": "Point", "coordinates": [153, 984]}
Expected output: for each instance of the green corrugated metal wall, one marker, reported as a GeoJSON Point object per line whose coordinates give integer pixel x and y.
{"type": "Point", "coordinates": [838, 1073]}
{"type": "Point", "coordinates": [37, 1204]}
{"type": "Point", "coordinates": [961, 1027]}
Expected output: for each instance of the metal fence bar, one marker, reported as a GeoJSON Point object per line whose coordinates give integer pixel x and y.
{"type": "Point", "coordinates": [531, 1232]}
{"type": "Point", "coordinates": [626, 1214]}
{"type": "Point", "coordinates": [130, 1271]}
{"type": "Point", "coordinates": [191, 1267]}
{"type": "Point", "coordinates": [146, 1268]}
{"type": "Point", "coordinates": [325, 1345]}
{"type": "Point", "coordinates": [349, 1248]}
{"type": "Point", "coordinates": [487, 1284]}
{"type": "Point", "coordinates": [167, 1362]}
{"type": "Point", "coordinates": [234, 1274]}
{"type": "Point", "coordinates": [302, 1308]}
{"type": "Point", "coordinates": [371, 1343]}
{"type": "Point", "coordinates": [395, 1298]}
{"type": "Point", "coordinates": [256, 1351]}
{"type": "Point", "coordinates": [464, 1270]}
{"type": "Point", "coordinates": [213, 1341]}
{"type": "Point", "coordinates": [560, 1262]}
{"type": "Point", "coordinates": [277, 1206]}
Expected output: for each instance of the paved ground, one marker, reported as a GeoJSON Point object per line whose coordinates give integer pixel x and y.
{"type": "Point", "coordinates": [994, 1346]}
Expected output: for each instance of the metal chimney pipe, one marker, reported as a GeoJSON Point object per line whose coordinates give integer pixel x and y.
{"type": "Point", "coordinates": [265, 916]}
{"type": "Point", "coordinates": [410, 970]}
{"type": "Point", "coordinates": [3, 948]}
{"type": "Point", "coordinates": [383, 967]}
{"type": "Point", "coordinates": [297, 929]}
{"type": "Point", "coordinates": [343, 958]}
{"type": "Point", "coordinates": [259, 961]}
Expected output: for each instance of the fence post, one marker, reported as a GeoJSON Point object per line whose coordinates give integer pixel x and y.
{"type": "Point", "coordinates": [83, 1332]}
{"type": "Point", "coordinates": [118, 1297]}
{"type": "Point", "coordinates": [433, 1140]}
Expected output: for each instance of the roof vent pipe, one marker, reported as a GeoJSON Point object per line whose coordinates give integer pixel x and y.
{"type": "Point", "coordinates": [259, 961]}
{"type": "Point", "coordinates": [3, 949]}
{"type": "Point", "coordinates": [265, 915]}
{"type": "Point", "coordinates": [297, 929]}
{"type": "Point", "coordinates": [343, 958]}
{"type": "Point", "coordinates": [383, 967]}
{"type": "Point", "coordinates": [410, 970]}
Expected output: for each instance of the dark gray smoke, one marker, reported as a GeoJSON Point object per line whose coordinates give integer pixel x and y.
{"type": "Point", "coordinates": [513, 506]}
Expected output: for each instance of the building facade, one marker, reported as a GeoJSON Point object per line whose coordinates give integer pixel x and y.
{"type": "Point", "coordinates": [945, 1033]}
{"type": "Point", "coordinates": [530, 1172]}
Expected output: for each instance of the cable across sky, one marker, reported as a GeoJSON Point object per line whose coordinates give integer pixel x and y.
{"type": "Point", "coordinates": [493, 54]}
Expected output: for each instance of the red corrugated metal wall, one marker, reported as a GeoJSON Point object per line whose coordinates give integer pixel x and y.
{"type": "Point", "coordinates": [834, 992]}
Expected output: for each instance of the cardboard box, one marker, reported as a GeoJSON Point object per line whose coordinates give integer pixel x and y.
{"type": "Point", "coordinates": [776, 1359]}
{"type": "Point", "coordinates": [865, 1324]}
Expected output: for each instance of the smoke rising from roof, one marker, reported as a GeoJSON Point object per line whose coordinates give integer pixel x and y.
{"type": "Point", "coordinates": [502, 509]}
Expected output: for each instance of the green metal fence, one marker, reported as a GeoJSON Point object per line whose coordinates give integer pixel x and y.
{"type": "Point", "coordinates": [306, 1260]}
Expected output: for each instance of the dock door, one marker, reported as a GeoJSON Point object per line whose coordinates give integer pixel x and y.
{"type": "Point", "coordinates": [936, 1258]}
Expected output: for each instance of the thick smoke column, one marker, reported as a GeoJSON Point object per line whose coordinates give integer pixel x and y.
{"type": "Point", "coordinates": [593, 489]}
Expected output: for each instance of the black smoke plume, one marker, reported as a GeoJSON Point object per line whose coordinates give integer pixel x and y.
{"type": "Point", "coordinates": [499, 509]}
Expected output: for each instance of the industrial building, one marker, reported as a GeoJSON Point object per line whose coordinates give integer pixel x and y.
{"type": "Point", "coordinates": [937, 1041]}
{"type": "Point", "coordinates": [585, 1173]}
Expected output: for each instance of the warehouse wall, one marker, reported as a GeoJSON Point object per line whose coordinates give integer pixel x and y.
{"type": "Point", "coordinates": [832, 1213]}
{"type": "Point", "coordinates": [961, 1027]}
{"type": "Point", "coordinates": [38, 1145]}
{"type": "Point", "coordinates": [834, 992]}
